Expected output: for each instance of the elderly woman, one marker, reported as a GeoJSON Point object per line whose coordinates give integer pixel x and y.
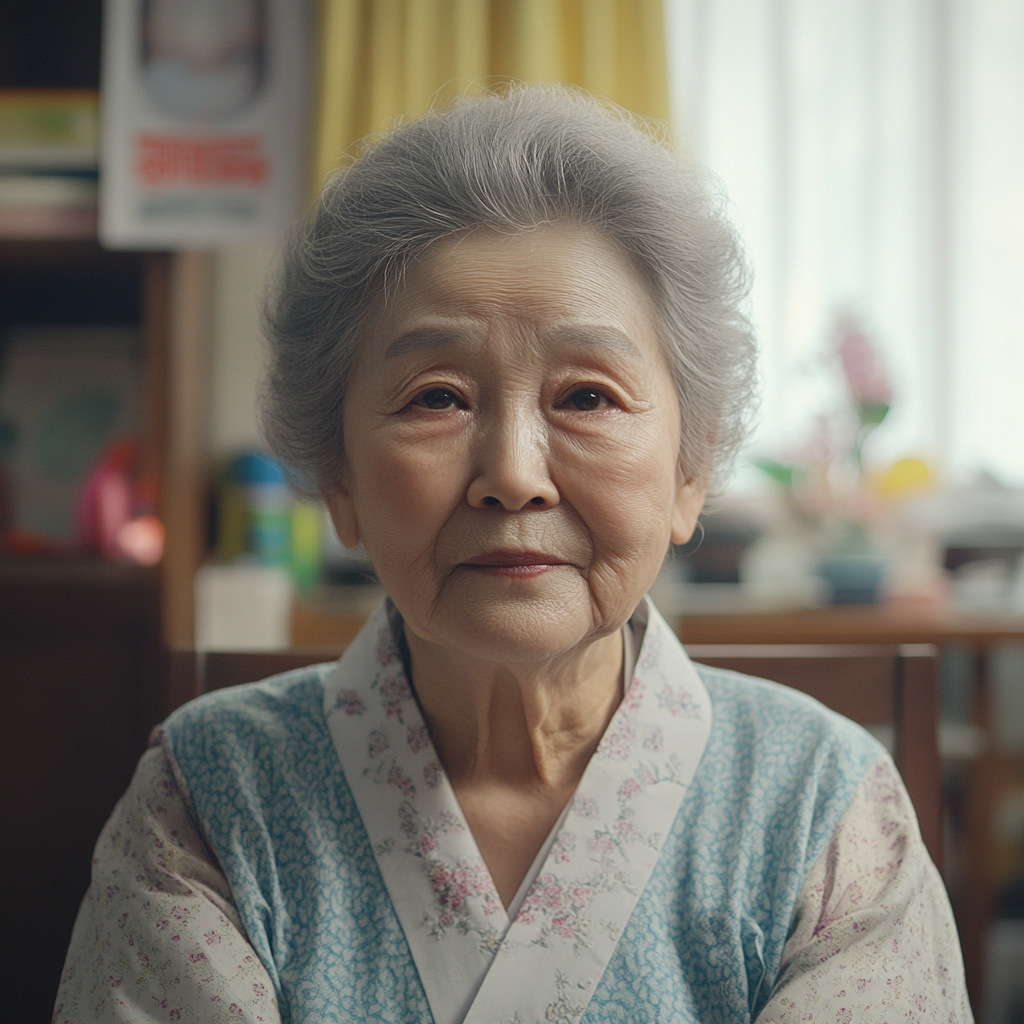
{"type": "Point", "coordinates": [508, 351]}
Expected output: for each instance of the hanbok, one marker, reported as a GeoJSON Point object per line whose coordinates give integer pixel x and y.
{"type": "Point", "coordinates": [292, 851]}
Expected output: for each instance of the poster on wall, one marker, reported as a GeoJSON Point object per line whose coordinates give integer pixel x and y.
{"type": "Point", "coordinates": [204, 108]}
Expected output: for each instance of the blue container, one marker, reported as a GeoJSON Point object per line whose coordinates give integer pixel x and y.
{"type": "Point", "coordinates": [853, 579]}
{"type": "Point", "coordinates": [267, 499]}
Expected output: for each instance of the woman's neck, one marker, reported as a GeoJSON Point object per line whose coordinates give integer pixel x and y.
{"type": "Point", "coordinates": [515, 743]}
{"type": "Point", "coordinates": [526, 725]}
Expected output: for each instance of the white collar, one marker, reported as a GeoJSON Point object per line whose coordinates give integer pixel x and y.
{"type": "Point", "coordinates": [471, 958]}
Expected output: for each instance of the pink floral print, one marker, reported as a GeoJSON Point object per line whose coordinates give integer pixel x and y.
{"type": "Point", "coordinates": [418, 738]}
{"type": "Point", "coordinates": [678, 702]}
{"type": "Point", "coordinates": [350, 702]}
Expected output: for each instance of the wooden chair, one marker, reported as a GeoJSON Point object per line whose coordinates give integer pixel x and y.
{"type": "Point", "coordinates": [895, 686]}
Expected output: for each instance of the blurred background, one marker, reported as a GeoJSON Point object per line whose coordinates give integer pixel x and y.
{"type": "Point", "coordinates": [153, 154]}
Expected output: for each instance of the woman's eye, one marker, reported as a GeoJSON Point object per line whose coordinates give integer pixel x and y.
{"type": "Point", "coordinates": [586, 399]}
{"type": "Point", "coordinates": [438, 398]}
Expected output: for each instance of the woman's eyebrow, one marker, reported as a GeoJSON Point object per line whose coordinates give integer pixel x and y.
{"type": "Point", "coordinates": [582, 335]}
{"type": "Point", "coordinates": [597, 336]}
{"type": "Point", "coordinates": [426, 338]}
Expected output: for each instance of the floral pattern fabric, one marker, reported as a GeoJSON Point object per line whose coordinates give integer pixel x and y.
{"type": "Point", "coordinates": [596, 869]}
{"type": "Point", "coordinates": [874, 939]}
{"type": "Point", "coordinates": [790, 884]}
{"type": "Point", "coordinates": [158, 938]}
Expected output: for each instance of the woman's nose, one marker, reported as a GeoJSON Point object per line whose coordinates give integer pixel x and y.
{"type": "Point", "coordinates": [513, 470]}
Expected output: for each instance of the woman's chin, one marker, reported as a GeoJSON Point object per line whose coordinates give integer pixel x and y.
{"type": "Point", "coordinates": [511, 628]}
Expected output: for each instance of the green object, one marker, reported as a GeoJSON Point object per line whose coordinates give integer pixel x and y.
{"type": "Point", "coordinates": [779, 472]}
{"type": "Point", "coordinates": [255, 511]}
{"type": "Point", "coordinates": [269, 529]}
{"type": "Point", "coordinates": [231, 520]}
{"type": "Point", "coordinates": [307, 543]}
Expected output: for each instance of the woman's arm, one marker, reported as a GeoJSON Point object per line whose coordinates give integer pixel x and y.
{"type": "Point", "coordinates": [874, 938]}
{"type": "Point", "coordinates": [158, 937]}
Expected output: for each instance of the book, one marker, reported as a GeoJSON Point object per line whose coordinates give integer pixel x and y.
{"type": "Point", "coordinates": [47, 129]}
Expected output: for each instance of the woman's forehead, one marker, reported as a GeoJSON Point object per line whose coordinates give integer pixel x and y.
{"type": "Point", "coordinates": [560, 275]}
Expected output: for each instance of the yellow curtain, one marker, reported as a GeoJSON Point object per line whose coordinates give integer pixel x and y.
{"type": "Point", "coordinates": [381, 58]}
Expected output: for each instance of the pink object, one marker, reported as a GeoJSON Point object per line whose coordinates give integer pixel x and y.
{"type": "Point", "coordinates": [141, 540]}
{"type": "Point", "coordinates": [107, 519]}
{"type": "Point", "coordinates": [862, 364]}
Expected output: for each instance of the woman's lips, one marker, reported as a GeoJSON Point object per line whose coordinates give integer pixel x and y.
{"type": "Point", "coordinates": [516, 564]}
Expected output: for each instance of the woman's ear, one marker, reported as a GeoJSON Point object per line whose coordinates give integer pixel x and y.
{"type": "Point", "coordinates": [342, 508]}
{"type": "Point", "coordinates": [689, 501]}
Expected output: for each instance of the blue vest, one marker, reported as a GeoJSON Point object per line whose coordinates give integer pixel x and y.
{"type": "Point", "coordinates": [704, 943]}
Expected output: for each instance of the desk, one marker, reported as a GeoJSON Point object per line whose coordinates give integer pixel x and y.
{"type": "Point", "coordinates": [973, 889]}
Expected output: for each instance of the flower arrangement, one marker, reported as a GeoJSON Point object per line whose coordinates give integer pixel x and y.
{"type": "Point", "coordinates": [867, 379]}
{"type": "Point", "coordinates": [827, 477]}
{"type": "Point", "coordinates": [827, 485]}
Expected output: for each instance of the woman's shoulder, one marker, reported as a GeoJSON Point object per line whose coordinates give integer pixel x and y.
{"type": "Point", "coordinates": [239, 724]}
{"type": "Point", "coordinates": [775, 714]}
{"type": "Point", "coordinates": [261, 703]}
{"type": "Point", "coordinates": [798, 760]}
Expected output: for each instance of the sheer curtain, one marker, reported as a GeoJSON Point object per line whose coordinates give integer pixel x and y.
{"type": "Point", "coordinates": [874, 154]}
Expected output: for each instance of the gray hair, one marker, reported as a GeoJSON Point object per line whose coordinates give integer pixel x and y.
{"type": "Point", "coordinates": [512, 162]}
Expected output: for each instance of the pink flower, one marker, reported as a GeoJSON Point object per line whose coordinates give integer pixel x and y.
{"type": "Point", "coordinates": [578, 895]}
{"type": "Point", "coordinates": [653, 740]}
{"type": "Point", "coordinates": [564, 847]}
{"type": "Point", "coordinates": [432, 773]}
{"type": "Point", "coordinates": [602, 843]}
{"type": "Point", "coordinates": [585, 807]}
{"type": "Point", "coordinates": [448, 823]}
{"type": "Point", "coordinates": [629, 788]}
{"type": "Point", "coordinates": [634, 695]}
{"type": "Point", "coordinates": [406, 820]}
{"type": "Point", "coordinates": [563, 927]}
{"type": "Point", "coordinates": [417, 738]}
{"type": "Point", "coordinates": [678, 703]}
{"type": "Point", "coordinates": [378, 743]}
{"type": "Point", "coordinates": [552, 893]}
{"type": "Point", "coordinates": [862, 365]}
{"type": "Point", "coordinates": [397, 778]}
{"type": "Point", "coordinates": [350, 702]}
{"type": "Point", "coordinates": [387, 649]}
{"type": "Point", "coordinates": [395, 692]}
{"type": "Point", "coordinates": [626, 830]}
{"type": "Point", "coordinates": [617, 742]}
{"type": "Point", "coordinates": [427, 843]}
{"type": "Point", "coordinates": [212, 938]}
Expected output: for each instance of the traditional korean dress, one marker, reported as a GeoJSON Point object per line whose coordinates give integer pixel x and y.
{"type": "Point", "coordinates": [292, 851]}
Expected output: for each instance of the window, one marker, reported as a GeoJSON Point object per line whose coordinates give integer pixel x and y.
{"type": "Point", "coordinates": [874, 154]}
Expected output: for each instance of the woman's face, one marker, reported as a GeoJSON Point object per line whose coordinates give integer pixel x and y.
{"type": "Point", "coordinates": [512, 439]}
